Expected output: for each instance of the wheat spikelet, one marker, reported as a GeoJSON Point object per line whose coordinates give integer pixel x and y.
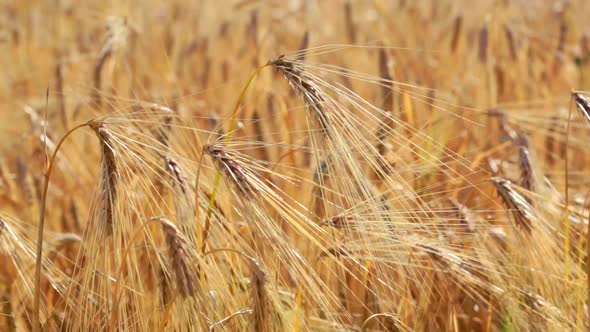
{"type": "Point", "coordinates": [116, 38]}
{"type": "Point", "coordinates": [265, 317]}
{"type": "Point", "coordinates": [176, 174]}
{"type": "Point", "coordinates": [516, 204]}
{"type": "Point", "coordinates": [561, 42]}
{"type": "Point", "coordinates": [233, 171]}
{"type": "Point", "coordinates": [526, 168]}
{"type": "Point", "coordinates": [543, 314]}
{"type": "Point", "coordinates": [304, 86]}
{"type": "Point", "coordinates": [511, 42]}
{"type": "Point", "coordinates": [109, 176]}
{"type": "Point", "coordinates": [350, 26]}
{"type": "Point", "coordinates": [185, 272]}
{"type": "Point", "coordinates": [460, 212]}
{"type": "Point", "coordinates": [550, 141]}
{"type": "Point", "coordinates": [583, 104]}
{"type": "Point", "coordinates": [482, 50]}
{"type": "Point", "coordinates": [335, 167]}
{"type": "Point", "coordinates": [457, 26]}
{"type": "Point", "coordinates": [60, 95]}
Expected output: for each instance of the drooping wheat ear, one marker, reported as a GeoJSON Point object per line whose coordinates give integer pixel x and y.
{"type": "Point", "coordinates": [541, 309]}
{"type": "Point", "coordinates": [230, 168]}
{"type": "Point", "coordinates": [460, 212]}
{"type": "Point", "coordinates": [164, 290]}
{"type": "Point", "coordinates": [186, 274]}
{"type": "Point", "coordinates": [263, 149]}
{"type": "Point", "coordinates": [445, 259]}
{"type": "Point", "coordinates": [164, 130]}
{"type": "Point", "coordinates": [465, 270]}
{"type": "Point", "coordinates": [518, 205]}
{"type": "Point", "coordinates": [303, 45]}
{"type": "Point", "coordinates": [73, 207]}
{"type": "Point", "coordinates": [304, 86]}
{"type": "Point", "coordinates": [116, 37]}
{"type": "Point", "coordinates": [252, 29]}
{"type": "Point", "coordinates": [583, 104]}
{"type": "Point", "coordinates": [264, 314]}
{"type": "Point", "coordinates": [104, 54]}
{"type": "Point", "coordinates": [511, 42]}
{"type": "Point", "coordinates": [265, 317]}
{"type": "Point", "coordinates": [59, 91]}
{"type": "Point", "coordinates": [482, 51]}
{"type": "Point", "coordinates": [350, 26]}
{"type": "Point", "coordinates": [176, 173]}
{"type": "Point", "coordinates": [24, 181]}
{"type": "Point", "coordinates": [524, 163]}
{"type": "Point", "coordinates": [585, 46]}
{"type": "Point", "coordinates": [503, 123]}
{"type": "Point", "coordinates": [550, 142]}
{"type": "Point", "coordinates": [457, 25]}
{"type": "Point", "coordinates": [561, 42]}
{"type": "Point", "coordinates": [183, 198]}
{"type": "Point", "coordinates": [108, 191]}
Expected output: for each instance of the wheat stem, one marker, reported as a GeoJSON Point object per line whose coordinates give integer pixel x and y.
{"type": "Point", "coordinates": [39, 252]}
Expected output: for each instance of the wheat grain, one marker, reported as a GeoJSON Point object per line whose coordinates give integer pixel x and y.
{"type": "Point", "coordinates": [511, 42]}
{"type": "Point", "coordinates": [516, 204]}
{"type": "Point", "coordinates": [304, 86]}
{"type": "Point", "coordinates": [457, 26]}
{"type": "Point", "coordinates": [526, 167]}
{"type": "Point", "coordinates": [109, 176]}
{"type": "Point", "coordinates": [185, 272]}
{"type": "Point", "coordinates": [482, 50]}
{"type": "Point", "coordinates": [231, 168]}
{"type": "Point", "coordinates": [583, 104]}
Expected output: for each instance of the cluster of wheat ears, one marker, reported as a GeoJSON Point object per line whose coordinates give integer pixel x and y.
{"type": "Point", "coordinates": [180, 170]}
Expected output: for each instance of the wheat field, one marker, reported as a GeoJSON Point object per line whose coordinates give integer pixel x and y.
{"type": "Point", "coordinates": [266, 165]}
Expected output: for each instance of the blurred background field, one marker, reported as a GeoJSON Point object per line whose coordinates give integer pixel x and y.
{"type": "Point", "coordinates": [395, 165]}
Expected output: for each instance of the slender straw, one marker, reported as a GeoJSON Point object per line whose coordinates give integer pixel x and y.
{"type": "Point", "coordinates": [46, 175]}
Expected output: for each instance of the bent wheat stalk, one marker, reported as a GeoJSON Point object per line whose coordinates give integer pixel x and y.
{"type": "Point", "coordinates": [39, 252]}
